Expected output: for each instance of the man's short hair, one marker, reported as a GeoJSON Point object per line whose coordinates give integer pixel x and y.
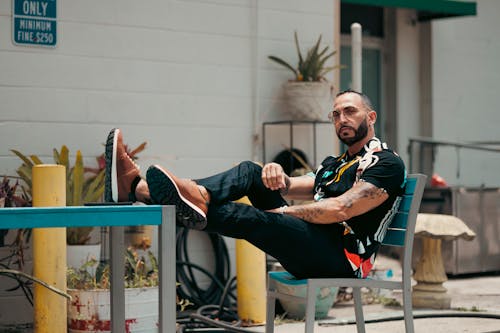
{"type": "Point", "coordinates": [366, 100]}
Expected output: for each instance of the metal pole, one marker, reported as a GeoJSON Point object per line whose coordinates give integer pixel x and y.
{"type": "Point", "coordinates": [167, 269]}
{"type": "Point", "coordinates": [49, 251]}
{"type": "Point", "coordinates": [356, 63]}
{"type": "Point", "coordinates": [117, 243]}
{"type": "Point", "coordinates": [251, 277]}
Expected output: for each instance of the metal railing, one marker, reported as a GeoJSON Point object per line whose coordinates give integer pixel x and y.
{"type": "Point", "coordinates": [422, 152]}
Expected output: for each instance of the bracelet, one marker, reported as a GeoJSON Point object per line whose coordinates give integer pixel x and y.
{"type": "Point", "coordinates": [282, 209]}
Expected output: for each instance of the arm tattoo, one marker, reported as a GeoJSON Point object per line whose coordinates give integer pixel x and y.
{"type": "Point", "coordinates": [308, 214]}
{"type": "Point", "coordinates": [338, 209]}
{"type": "Point", "coordinates": [364, 190]}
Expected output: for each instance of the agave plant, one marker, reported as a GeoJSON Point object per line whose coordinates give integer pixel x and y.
{"type": "Point", "coordinates": [312, 67]}
{"type": "Point", "coordinates": [82, 185]}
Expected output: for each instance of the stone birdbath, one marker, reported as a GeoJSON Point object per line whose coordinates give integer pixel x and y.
{"type": "Point", "coordinates": [429, 291]}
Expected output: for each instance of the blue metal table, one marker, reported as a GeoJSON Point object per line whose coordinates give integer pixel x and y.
{"type": "Point", "coordinates": [116, 217]}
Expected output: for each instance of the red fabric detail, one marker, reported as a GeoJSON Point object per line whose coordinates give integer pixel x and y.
{"type": "Point", "coordinates": [361, 266]}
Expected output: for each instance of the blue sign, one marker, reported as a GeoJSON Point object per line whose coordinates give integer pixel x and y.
{"type": "Point", "coordinates": [34, 22]}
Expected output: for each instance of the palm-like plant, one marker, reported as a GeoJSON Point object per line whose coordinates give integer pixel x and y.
{"type": "Point", "coordinates": [312, 67]}
{"type": "Point", "coordinates": [79, 187]}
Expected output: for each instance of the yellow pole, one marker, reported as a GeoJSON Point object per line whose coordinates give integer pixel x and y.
{"type": "Point", "coordinates": [49, 250]}
{"type": "Point", "coordinates": [251, 281]}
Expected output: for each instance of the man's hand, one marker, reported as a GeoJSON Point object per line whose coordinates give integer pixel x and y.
{"type": "Point", "coordinates": [275, 178]}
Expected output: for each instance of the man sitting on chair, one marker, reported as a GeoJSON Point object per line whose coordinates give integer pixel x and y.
{"type": "Point", "coordinates": [355, 197]}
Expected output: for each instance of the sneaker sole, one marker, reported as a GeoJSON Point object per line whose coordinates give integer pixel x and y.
{"type": "Point", "coordinates": [111, 183]}
{"type": "Point", "coordinates": [163, 190]}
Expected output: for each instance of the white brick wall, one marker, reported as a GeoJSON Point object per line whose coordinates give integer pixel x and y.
{"type": "Point", "coordinates": [179, 74]}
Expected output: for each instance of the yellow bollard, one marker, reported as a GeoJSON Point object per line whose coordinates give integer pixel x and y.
{"type": "Point", "coordinates": [251, 281]}
{"type": "Point", "coordinates": [49, 250]}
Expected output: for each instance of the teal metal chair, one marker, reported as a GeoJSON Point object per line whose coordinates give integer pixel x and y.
{"type": "Point", "coordinates": [400, 233]}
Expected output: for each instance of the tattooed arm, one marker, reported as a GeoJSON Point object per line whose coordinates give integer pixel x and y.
{"type": "Point", "coordinates": [361, 198]}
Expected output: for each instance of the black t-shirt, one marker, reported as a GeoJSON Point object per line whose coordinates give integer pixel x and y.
{"type": "Point", "coordinates": [375, 164]}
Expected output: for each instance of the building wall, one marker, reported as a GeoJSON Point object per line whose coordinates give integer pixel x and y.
{"type": "Point", "coordinates": [466, 76]}
{"type": "Point", "coordinates": [179, 74]}
{"type": "Point", "coordinates": [190, 77]}
{"type": "Point", "coordinates": [407, 80]}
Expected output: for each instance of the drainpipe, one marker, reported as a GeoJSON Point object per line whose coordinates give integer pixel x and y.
{"type": "Point", "coordinates": [256, 86]}
{"type": "Point", "coordinates": [357, 83]}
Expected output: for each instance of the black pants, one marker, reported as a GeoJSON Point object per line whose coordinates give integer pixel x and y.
{"type": "Point", "coordinates": [304, 249]}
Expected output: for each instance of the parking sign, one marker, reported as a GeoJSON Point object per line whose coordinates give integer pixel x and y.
{"type": "Point", "coordinates": [34, 22]}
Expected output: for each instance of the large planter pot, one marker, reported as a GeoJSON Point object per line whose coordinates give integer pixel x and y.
{"type": "Point", "coordinates": [287, 284]}
{"type": "Point", "coordinates": [89, 310]}
{"type": "Point", "coordinates": [77, 255]}
{"type": "Point", "coordinates": [309, 100]}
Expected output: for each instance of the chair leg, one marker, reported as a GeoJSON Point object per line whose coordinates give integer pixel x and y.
{"type": "Point", "coordinates": [270, 313]}
{"type": "Point", "coordinates": [310, 308]}
{"type": "Point", "coordinates": [408, 309]}
{"type": "Point", "coordinates": [358, 310]}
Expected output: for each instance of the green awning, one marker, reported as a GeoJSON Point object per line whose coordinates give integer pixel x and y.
{"type": "Point", "coordinates": [427, 9]}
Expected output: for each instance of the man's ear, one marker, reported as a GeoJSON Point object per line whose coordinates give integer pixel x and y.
{"type": "Point", "coordinates": [372, 116]}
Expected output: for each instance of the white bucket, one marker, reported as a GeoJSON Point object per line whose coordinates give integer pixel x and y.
{"type": "Point", "coordinates": [89, 310]}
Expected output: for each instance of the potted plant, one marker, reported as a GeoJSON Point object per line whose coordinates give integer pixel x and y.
{"type": "Point", "coordinates": [89, 308]}
{"type": "Point", "coordinates": [82, 185]}
{"type": "Point", "coordinates": [309, 94]}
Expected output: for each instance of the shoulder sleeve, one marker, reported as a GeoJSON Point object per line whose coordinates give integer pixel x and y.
{"type": "Point", "coordinates": [387, 171]}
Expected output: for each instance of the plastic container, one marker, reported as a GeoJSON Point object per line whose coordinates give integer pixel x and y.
{"type": "Point", "coordinates": [286, 283]}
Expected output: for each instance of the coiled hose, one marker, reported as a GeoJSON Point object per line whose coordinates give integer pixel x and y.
{"type": "Point", "coordinates": [216, 304]}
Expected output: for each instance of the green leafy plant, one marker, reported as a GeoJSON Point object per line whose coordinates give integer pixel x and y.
{"type": "Point", "coordinates": [82, 185]}
{"type": "Point", "coordinates": [139, 272]}
{"type": "Point", "coordinates": [312, 67]}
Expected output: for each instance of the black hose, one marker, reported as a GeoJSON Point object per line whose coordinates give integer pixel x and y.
{"type": "Point", "coordinates": [217, 303]}
{"type": "Point", "coordinates": [189, 287]}
{"type": "Point", "coordinates": [221, 324]}
{"type": "Point", "coordinates": [424, 316]}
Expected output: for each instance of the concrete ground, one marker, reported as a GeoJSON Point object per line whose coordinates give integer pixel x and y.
{"type": "Point", "coordinates": [470, 296]}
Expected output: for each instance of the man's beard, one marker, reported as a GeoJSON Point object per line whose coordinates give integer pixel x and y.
{"type": "Point", "coordinates": [359, 134]}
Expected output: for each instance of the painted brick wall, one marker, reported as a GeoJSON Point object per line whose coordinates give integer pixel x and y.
{"type": "Point", "coordinates": [184, 75]}
{"type": "Point", "coordinates": [179, 74]}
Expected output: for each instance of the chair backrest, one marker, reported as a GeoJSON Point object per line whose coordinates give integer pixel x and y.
{"type": "Point", "coordinates": [400, 231]}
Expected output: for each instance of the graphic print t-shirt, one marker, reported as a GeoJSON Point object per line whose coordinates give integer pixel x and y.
{"type": "Point", "coordinates": [377, 165]}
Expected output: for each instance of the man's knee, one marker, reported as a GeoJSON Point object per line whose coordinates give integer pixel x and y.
{"type": "Point", "coordinates": [250, 166]}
